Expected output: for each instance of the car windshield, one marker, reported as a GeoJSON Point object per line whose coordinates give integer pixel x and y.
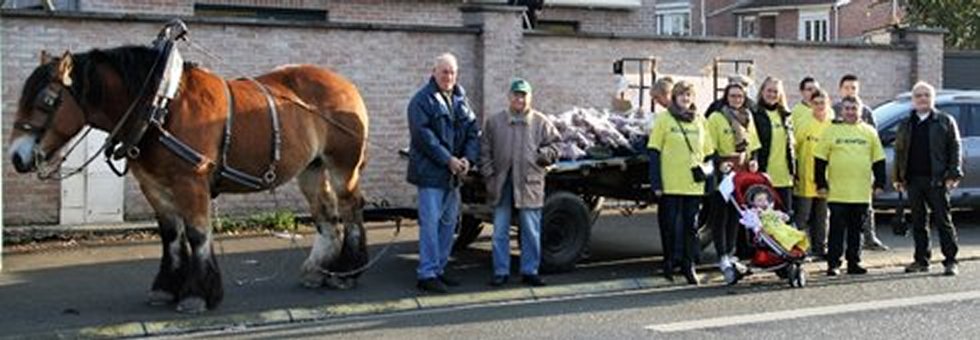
{"type": "Point", "coordinates": [890, 112]}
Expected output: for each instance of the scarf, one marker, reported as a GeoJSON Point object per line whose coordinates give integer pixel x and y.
{"type": "Point", "coordinates": [681, 114]}
{"type": "Point", "coordinates": [769, 107]}
{"type": "Point", "coordinates": [739, 120]}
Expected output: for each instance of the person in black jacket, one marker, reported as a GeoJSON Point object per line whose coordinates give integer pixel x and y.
{"type": "Point", "coordinates": [777, 156]}
{"type": "Point", "coordinates": [928, 165]}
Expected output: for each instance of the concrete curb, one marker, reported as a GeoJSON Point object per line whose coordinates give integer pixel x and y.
{"type": "Point", "coordinates": [422, 302]}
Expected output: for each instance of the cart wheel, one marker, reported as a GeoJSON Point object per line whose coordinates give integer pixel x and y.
{"type": "Point", "coordinates": [469, 229]}
{"type": "Point", "coordinates": [566, 223]}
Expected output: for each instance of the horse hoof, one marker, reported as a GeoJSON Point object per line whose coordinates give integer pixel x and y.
{"type": "Point", "coordinates": [159, 298]}
{"type": "Point", "coordinates": [311, 280]}
{"type": "Point", "coordinates": [192, 305]}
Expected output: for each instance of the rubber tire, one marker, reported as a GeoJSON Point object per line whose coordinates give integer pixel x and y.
{"type": "Point", "coordinates": [469, 229]}
{"type": "Point", "coordinates": [792, 272]}
{"type": "Point", "coordinates": [801, 278]}
{"type": "Point", "coordinates": [566, 225]}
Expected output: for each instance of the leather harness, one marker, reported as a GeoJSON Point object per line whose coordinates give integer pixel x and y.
{"type": "Point", "coordinates": [157, 111]}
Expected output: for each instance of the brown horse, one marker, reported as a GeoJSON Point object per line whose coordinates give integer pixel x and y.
{"type": "Point", "coordinates": [324, 128]}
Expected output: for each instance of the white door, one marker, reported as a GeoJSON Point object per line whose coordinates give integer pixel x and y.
{"type": "Point", "coordinates": [96, 194]}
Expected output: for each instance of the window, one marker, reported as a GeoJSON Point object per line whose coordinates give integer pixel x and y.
{"type": "Point", "coordinates": [974, 129]}
{"type": "Point", "coordinates": [962, 121]}
{"type": "Point", "coordinates": [747, 27]}
{"type": "Point", "coordinates": [814, 25]}
{"type": "Point", "coordinates": [272, 13]}
{"type": "Point", "coordinates": [674, 22]}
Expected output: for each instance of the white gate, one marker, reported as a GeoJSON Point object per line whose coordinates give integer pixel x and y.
{"type": "Point", "coordinates": [95, 195]}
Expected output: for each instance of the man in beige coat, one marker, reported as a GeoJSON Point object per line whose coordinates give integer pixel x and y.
{"type": "Point", "coordinates": [517, 145]}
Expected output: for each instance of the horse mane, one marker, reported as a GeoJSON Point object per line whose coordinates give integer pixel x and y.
{"type": "Point", "coordinates": [132, 63]}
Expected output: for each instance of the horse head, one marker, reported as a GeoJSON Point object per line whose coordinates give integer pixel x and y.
{"type": "Point", "coordinates": [64, 94]}
{"type": "Point", "coordinates": [48, 114]}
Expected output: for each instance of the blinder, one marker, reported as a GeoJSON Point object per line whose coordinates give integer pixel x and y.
{"type": "Point", "coordinates": [47, 101]}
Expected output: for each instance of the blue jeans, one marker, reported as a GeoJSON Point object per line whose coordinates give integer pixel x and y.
{"type": "Point", "coordinates": [438, 215]}
{"type": "Point", "coordinates": [530, 221]}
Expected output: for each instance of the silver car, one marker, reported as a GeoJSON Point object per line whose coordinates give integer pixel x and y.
{"type": "Point", "coordinates": [964, 106]}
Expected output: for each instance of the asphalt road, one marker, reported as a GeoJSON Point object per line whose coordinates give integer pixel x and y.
{"type": "Point", "coordinates": [89, 286]}
{"type": "Point", "coordinates": [886, 304]}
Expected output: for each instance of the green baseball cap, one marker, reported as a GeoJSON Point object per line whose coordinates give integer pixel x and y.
{"type": "Point", "coordinates": [520, 85]}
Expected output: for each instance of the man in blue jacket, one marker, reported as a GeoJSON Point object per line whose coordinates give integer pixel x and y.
{"type": "Point", "coordinates": [445, 144]}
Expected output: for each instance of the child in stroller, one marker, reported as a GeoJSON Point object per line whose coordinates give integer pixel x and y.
{"type": "Point", "coordinates": [779, 247]}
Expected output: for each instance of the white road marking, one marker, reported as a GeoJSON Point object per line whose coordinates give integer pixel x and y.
{"type": "Point", "coordinates": [736, 320]}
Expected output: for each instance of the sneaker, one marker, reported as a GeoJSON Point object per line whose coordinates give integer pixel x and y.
{"type": "Point", "coordinates": [533, 281]}
{"type": "Point", "coordinates": [856, 270]}
{"type": "Point", "coordinates": [433, 285]}
{"type": "Point", "coordinates": [833, 271]}
{"type": "Point", "coordinates": [951, 270]}
{"type": "Point", "coordinates": [499, 280]}
{"type": "Point", "coordinates": [730, 274]}
{"type": "Point", "coordinates": [917, 267]}
{"type": "Point", "coordinates": [448, 281]}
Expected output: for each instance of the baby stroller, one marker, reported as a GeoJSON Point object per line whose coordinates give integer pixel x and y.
{"type": "Point", "coordinates": [770, 254]}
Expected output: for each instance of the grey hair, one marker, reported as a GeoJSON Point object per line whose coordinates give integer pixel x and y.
{"type": "Point", "coordinates": [446, 58]}
{"type": "Point", "coordinates": [921, 85]}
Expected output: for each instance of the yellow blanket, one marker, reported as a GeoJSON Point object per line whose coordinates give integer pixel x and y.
{"type": "Point", "coordinates": [784, 234]}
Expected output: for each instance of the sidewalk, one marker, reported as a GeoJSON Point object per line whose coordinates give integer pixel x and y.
{"type": "Point", "coordinates": [71, 289]}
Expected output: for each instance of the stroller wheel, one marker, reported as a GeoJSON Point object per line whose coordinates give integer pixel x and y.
{"type": "Point", "coordinates": [791, 274]}
{"type": "Point", "coordinates": [799, 278]}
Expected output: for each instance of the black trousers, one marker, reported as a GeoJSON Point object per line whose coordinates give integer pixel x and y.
{"type": "Point", "coordinates": [846, 220]}
{"type": "Point", "coordinates": [922, 195]}
{"type": "Point", "coordinates": [678, 229]}
{"type": "Point", "coordinates": [786, 196]}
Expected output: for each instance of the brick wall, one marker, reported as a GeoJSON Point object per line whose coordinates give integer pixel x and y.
{"type": "Point", "coordinates": [788, 25]}
{"type": "Point", "coordinates": [718, 17]}
{"type": "Point", "coordinates": [428, 12]}
{"type": "Point", "coordinates": [388, 71]}
{"type": "Point", "coordinates": [424, 12]}
{"type": "Point", "coordinates": [639, 21]}
{"type": "Point", "coordinates": [164, 7]}
{"type": "Point", "coordinates": [859, 16]}
{"type": "Point", "coordinates": [577, 61]}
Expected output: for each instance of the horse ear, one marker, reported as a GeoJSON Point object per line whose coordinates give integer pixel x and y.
{"type": "Point", "coordinates": [64, 68]}
{"type": "Point", "coordinates": [45, 57]}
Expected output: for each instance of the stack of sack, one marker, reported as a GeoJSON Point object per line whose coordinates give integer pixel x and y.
{"type": "Point", "coordinates": [590, 133]}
